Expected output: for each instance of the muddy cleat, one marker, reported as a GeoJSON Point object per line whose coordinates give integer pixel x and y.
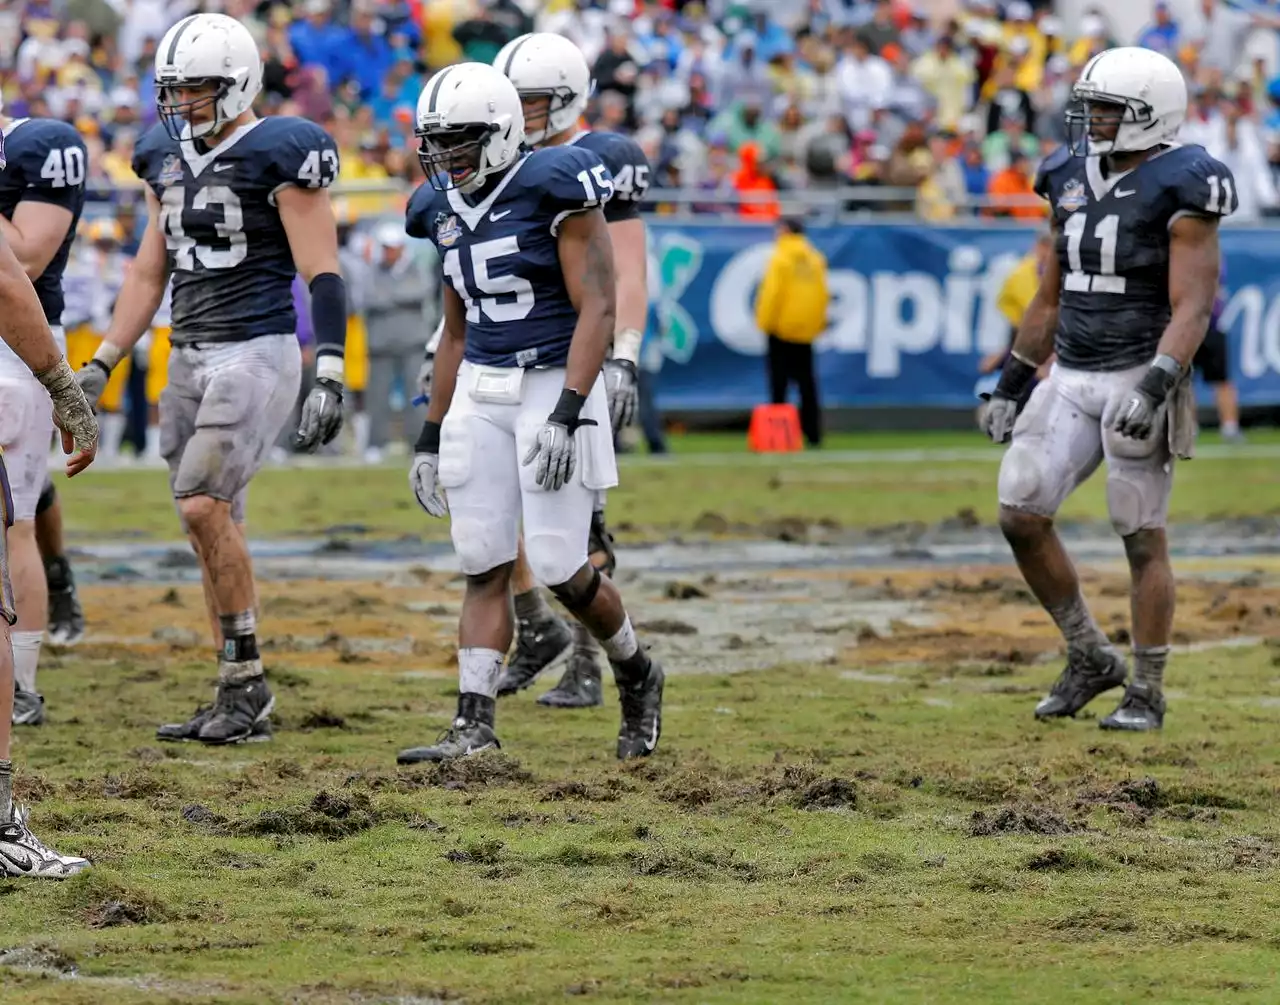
{"type": "Point", "coordinates": [579, 687]}
{"type": "Point", "coordinates": [181, 732]}
{"type": "Point", "coordinates": [462, 739]}
{"type": "Point", "coordinates": [66, 618]}
{"type": "Point", "coordinates": [238, 707]}
{"type": "Point", "coordinates": [1141, 710]}
{"type": "Point", "coordinates": [538, 646]}
{"type": "Point", "coordinates": [1087, 675]}
{"type": "Point", "coordinates": [28, 708]}
{"type": "Point", "coordinates": [22, 854]}
{"type": "Point", "coordinates": [641, 715]}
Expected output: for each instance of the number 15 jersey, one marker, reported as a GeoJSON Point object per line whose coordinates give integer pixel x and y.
{"type": "Point", "coordinates": [1113, 247]}
{"type": "Point", "coordinates": [228, 251]}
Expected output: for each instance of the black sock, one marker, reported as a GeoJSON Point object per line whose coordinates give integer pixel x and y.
{"type": "Point", "coordinates": [239, 638]}
{"type": "Point", "coordinates": [476, 708]}
{"type": "Point", "coordinates": [632, 671]}
{"type": "Point", "coordinates": [57, 572]}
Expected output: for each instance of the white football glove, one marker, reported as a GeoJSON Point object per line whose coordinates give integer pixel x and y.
{"type": "Point", "coordinates": [424, 481]}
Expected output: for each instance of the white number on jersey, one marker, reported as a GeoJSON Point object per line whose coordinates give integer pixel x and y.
{"type": "Point", "coordinates": [64, 167]}
{"type": "Point", "coordinates": [631, 181]}
{"type": "Point", "coordinates": [602, 181]}
{"type": "Point", "coordinates": [1108, 232]}
{"type": "Point", "coordinates": [319, 169]}
{"type": "Point", "coordinates": [496, 286]}
{"type": "Point", "coordinates": [186, 252]}
{"type": "Point", "coordinates": [1220, 195]}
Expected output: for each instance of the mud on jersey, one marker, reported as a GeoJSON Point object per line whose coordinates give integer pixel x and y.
{"type": "Point", "coordinates": [231, 264]}
{"type": "Point", "coordinates": [46, 162]}
{"type": "Point", "coordinates": [1113, 247]}
{"type": "Point", "coordinates": [500, 252]}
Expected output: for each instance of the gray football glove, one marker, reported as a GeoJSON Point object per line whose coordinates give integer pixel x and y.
{"type": "Point", "coordinates": [321, 416]}
{"type": "Point", "coordinates": [998, 418]}
{"type": "Point", "coordinates": [622, 385]}
{"type": "Point", "coordinates": [424, 480]}
{"type": "Point", "coordinates": [92, 378]}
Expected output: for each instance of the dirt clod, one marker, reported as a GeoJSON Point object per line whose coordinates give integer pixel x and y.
{"type": "Point", "coordinates": [1017, 820]}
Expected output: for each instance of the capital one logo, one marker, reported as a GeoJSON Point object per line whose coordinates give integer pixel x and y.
{"type": "Point", "coordinates": [676, 259]}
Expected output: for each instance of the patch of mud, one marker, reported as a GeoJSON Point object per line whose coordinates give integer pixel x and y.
{"type": "Point", "coordinates": [1018, 819]}
{"type": "Point", "coordinates": [39, 959]}
{"type": "Point", "coordinates": [478, 771]}
{"type": "Point", "coordinates": [102, 902]}
{"type": "Point", "coordinates": [328, 816]}
{"type": "Point", "coordinates": [322, 719]}
{"type": "Point", "coordinates": [1147, 795]}
{"type": "Point", "coordinates": [483, 852]}
{"type": "Point", "coordinates": [608, 790]}
{"type": "Point", "coordinates": [692, 863]}
{"type": "Point", "coordinates": [1062, 860]}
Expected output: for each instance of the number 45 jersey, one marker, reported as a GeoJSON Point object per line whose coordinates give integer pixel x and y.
{"type": "Point", "coordinates": [500, 252]}
{"type": "Point", "coordinates": [1113, 247]}
{"type": "Point", "coordinates": [229, 254]}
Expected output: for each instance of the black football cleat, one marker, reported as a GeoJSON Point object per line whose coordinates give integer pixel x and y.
{"type": "Point", "coordinates": [579, 687]}
{"type": "Point", "coordinates": [463, 738]}
{"type": "Point", "coordinates": [1087, 674]}
{"type": "Point", "coordinates": [539, 644]}
{"type": "Point", "coordinates": [1141, 710]}
{"type": "Point", "coordinates": [641, 715]}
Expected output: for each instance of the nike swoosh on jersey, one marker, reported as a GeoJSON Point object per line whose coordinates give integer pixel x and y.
{"type": "Point", "coordinates": [1125, 194]}
{"type": "Point", "coordinates": [221, 167]}
{"type": "Point", "coordinates": [495, 217]}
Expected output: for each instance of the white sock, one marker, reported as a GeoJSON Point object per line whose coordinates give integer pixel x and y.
{"type": "Point", "coordinates": [478, 671]}
{"type": "Point", "coordinates": [360, 426]}
{"type": "Point", "coordinates": [623, 644]}
{"type": "Point", "coordinates": [112, 425]}
{"type": "Point", "coordinates": [153, 442]}
{"type": "Point", "coordinates": [1229, 428]}
{"type": "Point", "coordinates": [26, 656]}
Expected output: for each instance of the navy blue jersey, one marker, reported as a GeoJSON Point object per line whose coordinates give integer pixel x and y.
{"type": "Point", "coordinates": [628, 165]}
{"type": "Point", "coordinates": [1113, 247]}
{"type": "Point", "coordinates": [232, 266]}
{"type": "Point", "coordinates": [500, 253]}
{"type": "Point", "coordinates": [47, 162]}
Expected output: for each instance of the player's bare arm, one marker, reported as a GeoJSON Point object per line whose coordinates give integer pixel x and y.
{"type": "Point", "coordinates": [1032, 345]}
{"type": "Point", "coordinates": [630, 263]}
{"type": "Point", "coordinates": [35, 234]}
{"type": "Point", "coordinates": [307, 217]}
{"type": "Point", "coordinates": [586, 256]}
{"type": "Point", "coordinates": [1193, 284]}
{"type": "Point", "coordinates": [25, 330]}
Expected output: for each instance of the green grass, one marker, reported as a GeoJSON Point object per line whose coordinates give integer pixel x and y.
{"type": "Point", "coordinates": [800, 837]}
{"type": "Point", "coordinates": [669, 497]}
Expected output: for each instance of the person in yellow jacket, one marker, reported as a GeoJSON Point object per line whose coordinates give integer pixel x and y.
{"type": "Point", "coordinates": [791, 310]}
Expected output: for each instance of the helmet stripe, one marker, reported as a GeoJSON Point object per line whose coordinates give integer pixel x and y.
{"type": "Point", "coordinates": [435, 91]}
{"type": "Point", "coordinates": [506, 70]}
{"type": "Point", "coordinates": [177, 37]}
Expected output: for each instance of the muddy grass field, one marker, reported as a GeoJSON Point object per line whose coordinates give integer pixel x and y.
{"type": "Point", "coordinates": [851, 802]}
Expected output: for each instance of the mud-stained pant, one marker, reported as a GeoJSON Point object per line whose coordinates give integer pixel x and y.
{"type": "Point", "coordinates": [221, 411]}
{"type": "Point", "coordinates": [1065, 432]}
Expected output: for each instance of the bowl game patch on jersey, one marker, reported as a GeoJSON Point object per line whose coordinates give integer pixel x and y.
{"type": "Point", "coordinates": [448, 229]}
{"type": "Point", "coordinates": [1073, 196]}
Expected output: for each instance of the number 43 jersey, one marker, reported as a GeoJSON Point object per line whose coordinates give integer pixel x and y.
{"type": "Point", "coordinates": [1113, 247]}
{"type": "Point", "coordinates": [229, 254]}
{"type": "Point", "coordinates": [501, 255]}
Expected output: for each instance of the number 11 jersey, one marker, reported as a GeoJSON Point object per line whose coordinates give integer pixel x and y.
{"type": "Point", "coordinates": [1113, 247]}
{"type": "Point", "coordinates": [229, 254]}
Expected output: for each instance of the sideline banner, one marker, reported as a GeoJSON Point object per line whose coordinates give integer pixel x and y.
{"type": "Point", "coordinates": [913, 310]}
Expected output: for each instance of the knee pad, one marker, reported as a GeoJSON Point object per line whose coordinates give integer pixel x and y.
{"type": "Point", "coordinates": [554, 557]}
{"type": "Point", "coordinates": [578, 598]}
{"type": "Point", "coordinates": [601, 541]}
{"type": "Point", "coordinates": [477, 546]}
{"type": "Point", "coordinates": [48, 496]}
{"type": "Point", "coordinates": [1025, 482]}
{"type": "Point", "coordinates": [1137, 498]}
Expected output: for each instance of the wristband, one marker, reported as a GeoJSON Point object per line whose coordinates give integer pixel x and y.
{"type": "Point", "coordinates": [568, 408]}
{"type": "Point", "coordinates": [1015, 378]}
{"type": "Point", "coordinates": [429, 439]}
{"type": "Point", "coordinates": [329, 316]}
{"type": "Point", "coordinates": [109, 355]}
{"type": "Point", "coordinates": [1161, 378]}
{"type": "Point", "coordinates": [626, 345]}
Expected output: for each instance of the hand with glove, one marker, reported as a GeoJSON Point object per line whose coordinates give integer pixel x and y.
{"type": "Point", "coordinates": [425, 373]}
{"type": "Point", "coordinates": [321, 415]}
{"type": "Point", "coordinates": [73, 413]}
{"type": "Point", "coordinates": [1005, 402]}
{"type": "Point", "coordinates": [1136, 417]}
{"type": "Point", "coordinates": [622, 385]}
{"type": "Point", "coordinates": [555, 448]}
{"type": "Point", "coordinates": [424, 471]}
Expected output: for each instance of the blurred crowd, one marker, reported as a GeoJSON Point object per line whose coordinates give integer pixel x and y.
{"type": "Point", "coordinates": [736, 102]}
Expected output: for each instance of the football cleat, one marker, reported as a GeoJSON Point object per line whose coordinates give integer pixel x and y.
{"type": "Point", "coordinates": [66, 618]}
{"type": "Point", "coordinates": [238, 715]}
{"type": "Point", "coordinates": [641, 715]}
{"type": "Point", "coordinates": [22, 854]}
{"type": "Point", "coordinates": [463, 738]}
{"type": "Point", "coordinates": [579, 687]}
{"type": "Point", "coordinates": [28, 708]}
{"type": "Point", "coordinates": [538, 645]}
{"type": "Point", "coordinates": [1087, 674]}
{"type": "Point", "coordinates": [1140, 710]}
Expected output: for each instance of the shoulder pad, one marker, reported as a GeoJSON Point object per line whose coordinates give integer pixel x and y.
{"type": "Point", "coordinates": [149, 152]}
{"type": "Point", "coordinates": [49, 155]}
{"type": "Point", "coordinates": [1054, 162]}
{"type": "Point", "coordinates": [569, 179]}
{"type": "Point", "coordinates": [299, 152]}
{"type": "Point", "coordinates": [418, 215]}
{"type": "Point", "coordinates": [1199, 184]}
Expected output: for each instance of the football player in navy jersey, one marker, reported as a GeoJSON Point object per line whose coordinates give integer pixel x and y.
{"type": "Point", "coordinates": [554, 83]}
{"type": "Point", "coordinates": [238, 206]}
{"type": "Point", "coordinates": [518, 427]}
{"type": "Point", "coordinates": [1125, 303]}
{"type": "Point", "coordinates": [25, 330]}
{"type": "Point", "coordinates": [41, 198]}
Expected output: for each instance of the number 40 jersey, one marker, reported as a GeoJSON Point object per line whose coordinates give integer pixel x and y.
{"type": "Point", "coordinates": [501, 255]}
{"type": "Point", "coordinates": [1113, 247]}
{"type": "Point", "coordinates": [229, 254]}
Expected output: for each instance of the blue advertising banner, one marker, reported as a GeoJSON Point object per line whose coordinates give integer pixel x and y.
{"type": "Point", "coordinates": [913, 310]}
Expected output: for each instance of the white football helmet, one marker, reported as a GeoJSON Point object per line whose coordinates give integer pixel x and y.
{"type": "Point", "coordinates": [470, 126]}
{"type": "Point", "coordinates": [200, 49]}
{"type": "Point", "coordinates": [547, 65]}
{"type": "Point", "coordinates": [1139, 91]}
